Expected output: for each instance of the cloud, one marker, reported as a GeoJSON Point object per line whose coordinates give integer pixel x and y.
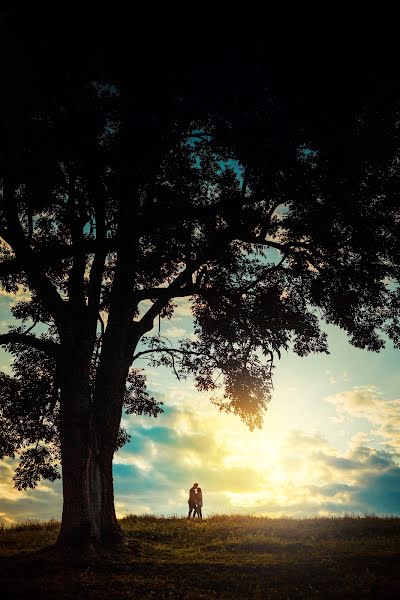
{"type": "Point", "coordinates": [174, 331]}
{"type": "Point", "coordinates": [333, 379]}
{"type": "Point", "coordinates": [44, 502]}
{"type": "Point", "coordinates": [367, 403]}
{"type": "Point", "coordinates": [21, 294]}
{"type": "Point", "coordinates": [239, 472]}
{"type": "Point", "coordinates": [183, 308]}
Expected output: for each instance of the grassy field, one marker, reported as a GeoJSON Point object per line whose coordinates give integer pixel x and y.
{"type": "Point", "coordinates": [229, 557]}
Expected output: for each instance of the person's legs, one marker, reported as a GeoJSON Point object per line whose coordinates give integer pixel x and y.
{"type": "Point", "coordinates": [192, 507]}
{"type": "Point", "coordinates": [199, 513]}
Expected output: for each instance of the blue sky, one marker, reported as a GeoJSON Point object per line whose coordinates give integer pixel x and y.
{"type": "Point", "coordinates": [330, 442]}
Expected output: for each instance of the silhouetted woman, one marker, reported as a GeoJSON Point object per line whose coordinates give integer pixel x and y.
{"type": "Point", "coordinates": [199, 503]}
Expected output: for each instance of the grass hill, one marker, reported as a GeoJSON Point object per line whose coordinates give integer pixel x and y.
{"type": "Point", "coordinates": [226, 557]}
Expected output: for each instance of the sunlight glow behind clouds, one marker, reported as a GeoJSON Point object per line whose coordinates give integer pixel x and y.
{"type": "Point", "coordinates": [299, 473]}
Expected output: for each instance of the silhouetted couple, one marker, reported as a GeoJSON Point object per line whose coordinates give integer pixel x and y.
{"type": "Point", "coordinates": [195, 501]}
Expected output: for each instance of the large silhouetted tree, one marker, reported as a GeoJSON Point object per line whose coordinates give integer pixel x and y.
{"type": "Point", "coordinates": [234, 173]}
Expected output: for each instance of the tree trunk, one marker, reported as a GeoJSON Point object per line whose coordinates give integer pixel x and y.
{"type": "Point", "coordinates": [89, 426]}
{"type": "Point", "coordinates": [88, 519]}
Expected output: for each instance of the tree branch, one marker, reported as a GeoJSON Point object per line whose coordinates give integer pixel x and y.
{"type": "Point", "coordinates": [31, 327]}
{"type": "Point", "coordinates": [158, 292]}
{"type": "Point", "coordinates": [244, 183]}
{"type": "Point", "coordinates": [50, 254]}
{"type": "Point", "coordinates": [97, 269]}
{"type": "Point", "coordinates": [37, 279]}
{"type": "Point", "coordinates": [286, 247]}
{"type": "Point", "coordinates": [14, 337]}
{"type": "Point", "coordinates": [168, 350]}
{"type": "Point", "coordinates": [99, 340]}
{"type": "Point", "coordinates": [146, 322]}
{"type": "Point", "coordinates": [263, 273]}
{"type": "Point", "coordinates": [76, 275]}
{"type": "Point", "coordinates": [204, 134]}
{"type": "Point", "coordinates": [174, 367]}
{"type": "Point", "coordinates": [145, 224]}
{"type": "Point", "coordinates": [175, 290]}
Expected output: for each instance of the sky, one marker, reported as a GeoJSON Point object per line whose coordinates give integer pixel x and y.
{"type": "Point", "coordinates": [330, 443]}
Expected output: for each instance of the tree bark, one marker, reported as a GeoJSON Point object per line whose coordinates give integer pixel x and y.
{"type": "Point", "coordinates": [88, 519]}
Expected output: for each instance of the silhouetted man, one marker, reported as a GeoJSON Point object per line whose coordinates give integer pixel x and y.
{"type": "Point", "coordinates": [192, 500]}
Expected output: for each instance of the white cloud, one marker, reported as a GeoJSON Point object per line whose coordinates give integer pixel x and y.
{"type": "Point", "coordinates": [183, 308]}
{"type": "Point", "coordinates": [331, 378]}
{"type": "Point", "coordinates": [367, 403]}
{"type": "Point", "coordinates": [174, 331]}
